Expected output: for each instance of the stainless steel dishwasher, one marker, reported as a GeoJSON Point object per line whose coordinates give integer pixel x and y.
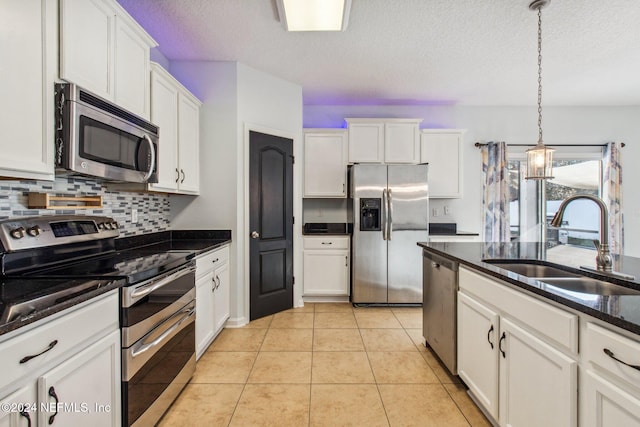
{"type": "Point", "coordinates": [439, 323]}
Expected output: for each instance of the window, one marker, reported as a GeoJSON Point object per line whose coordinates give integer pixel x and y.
{"type": "Point", "coordinates": [577, 170]}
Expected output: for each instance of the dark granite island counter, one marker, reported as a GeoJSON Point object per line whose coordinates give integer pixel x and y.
{"type": "Point", "coordinates": [535, 354]}
{"type": "Point", "coordinates": [620, 310]}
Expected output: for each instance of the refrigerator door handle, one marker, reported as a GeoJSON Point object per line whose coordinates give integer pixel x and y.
{"type": "Point", "coordinates": [385, 214]}
{"type": "Point", "coordinates": [389, 214]}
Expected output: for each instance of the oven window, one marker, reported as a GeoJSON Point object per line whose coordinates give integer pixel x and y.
{"type": "Point", "coordinates": [106, 144]}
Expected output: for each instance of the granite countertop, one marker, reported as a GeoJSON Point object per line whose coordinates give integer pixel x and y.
{"type": "Point", "coordinates": [196, 241]}
{"type": "Point", "coordinates": [13, 286]}
{"type": "Point", "coordinates": [327, 229]}
{"type": "Point", "coordinates": [447, 229]}
{"type": "Point", "coordinates": [456, 233]}
{"type": "Point", "coordinates": [620, 310]}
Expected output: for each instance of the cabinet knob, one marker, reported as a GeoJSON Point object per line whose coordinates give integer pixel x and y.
{"type": "Point", "coordinates": [255, 235]}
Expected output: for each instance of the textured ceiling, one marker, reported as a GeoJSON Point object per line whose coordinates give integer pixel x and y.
{"type": "Point", "coordinates": [452, 52]}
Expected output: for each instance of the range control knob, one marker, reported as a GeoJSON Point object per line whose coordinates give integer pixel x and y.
{"type": "Point", "coordinates": [101, 226]}
{"type": "Point", "coordinates": [33, 231]}
{"type": "Point", "coordinates": [17, 233]}
{"type": "Point", "coordinates": [114, 225]}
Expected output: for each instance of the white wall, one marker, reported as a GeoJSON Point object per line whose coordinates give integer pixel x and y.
{"type": "Point", "coordinates": [235, 98]}
{"type": "Point", "coordinates": [515, 125]}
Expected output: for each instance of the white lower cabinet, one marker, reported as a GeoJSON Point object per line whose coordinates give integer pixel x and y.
{"type": "Point", "coordinates": [538, 384]}
{"type": "Point", "coordinates": [205, 285]}
{"type": "Point", "coordinates": [19, 412]}
{"type": "Point", "coordinates": [326, 266]}
{"type": "Point", "coordinates": [519, 378]}
{"type": "Point", "coordinates": [610, 380]}
{"type": "Point", "coordinates": [478, 336]}
{"type": "Point", "coordinates": [212, 296]}
{"type": "Point", "coordinates": [64, 371]}
{"type": "Point", "coordinates": [82, 390]}
{"type": "Point", "coordinates": [606, 404]}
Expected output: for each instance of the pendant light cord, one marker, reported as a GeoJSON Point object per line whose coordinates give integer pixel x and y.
{"type": "Point", "coordinates": [540, 75]}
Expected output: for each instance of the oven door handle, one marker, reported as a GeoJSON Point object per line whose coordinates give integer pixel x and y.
{"type": "Point", "coordinates": [145, 290]}
{"type": "Point", "coordinates": [188, 312]}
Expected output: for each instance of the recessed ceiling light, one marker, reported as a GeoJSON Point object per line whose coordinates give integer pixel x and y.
{"type": "Point", "coordinates": [314, 15]}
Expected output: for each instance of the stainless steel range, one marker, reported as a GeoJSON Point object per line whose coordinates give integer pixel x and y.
{"type": "Point", "coordinates": [60, 257]}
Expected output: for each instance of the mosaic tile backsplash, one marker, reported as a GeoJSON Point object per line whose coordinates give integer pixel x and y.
{"type": "Point", "coordinates": [153, 209]}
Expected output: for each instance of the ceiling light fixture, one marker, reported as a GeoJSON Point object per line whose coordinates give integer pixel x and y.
{"type": "Point", "coordinates": [314, 15]}
{"type": "Point", "coordinates": [540, 157]}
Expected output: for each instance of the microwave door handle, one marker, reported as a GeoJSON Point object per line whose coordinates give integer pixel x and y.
{"type": "Point", "coordinates": [152, 166]}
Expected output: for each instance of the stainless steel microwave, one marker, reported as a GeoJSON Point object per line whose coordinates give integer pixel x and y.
{"type": "Point", "coordinates": [94, 137]}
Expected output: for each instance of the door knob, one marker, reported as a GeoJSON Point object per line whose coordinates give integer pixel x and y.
{"type": "Point", "coordinates": [255, 235]}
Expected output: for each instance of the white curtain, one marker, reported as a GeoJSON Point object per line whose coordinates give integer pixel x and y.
{"type": "Point", "coordinates": [612, 196]}
{"type": "Point", "coordinates": [495, 199]}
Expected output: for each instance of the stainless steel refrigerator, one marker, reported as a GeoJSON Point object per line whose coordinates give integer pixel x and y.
{"type": "Point", "coordinates": [391, 214]}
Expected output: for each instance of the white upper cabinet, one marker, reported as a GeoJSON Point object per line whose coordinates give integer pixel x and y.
{"type": "Point", "coordinates": [177, 112]}
{"type": "Point", "coordinates": [103, 50]}
{"type": "Point", "coordinates": [188, 142]}
{"type": "Point", "coordinates": [131, 68]}
{"type": "Point", "coordinates": [366, 142]}
{"type": "Point", "coordinates": [164, 113]}
{"type": "Point", "coordinates": [325, 163]}
{"type": "Point", "coordinates": [384, 140]}
{"type": "Point", "coordinates": [401, 142]}
{"type": "Point", "coordinates": [28, 42]}
{"type": "Point", "coordinates": [442, 150]}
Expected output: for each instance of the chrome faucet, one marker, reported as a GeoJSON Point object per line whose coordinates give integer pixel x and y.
{"type": "Point", "coordinates": [604, 261]}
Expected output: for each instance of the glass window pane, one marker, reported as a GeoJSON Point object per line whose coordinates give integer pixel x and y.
{"type": "Point", "coordinates": [581, 221]}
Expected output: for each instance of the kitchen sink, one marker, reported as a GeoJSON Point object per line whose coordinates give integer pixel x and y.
{"type": "Point", "coordinates": [559, 278]}
{"type": "Point", "coordinates": [532, 270]}
{"type": "Point", "coordinates": [587, 285]}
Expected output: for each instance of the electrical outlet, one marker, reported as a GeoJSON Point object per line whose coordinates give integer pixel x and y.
{"type": "Point", "coordinates": [134, 215]}
{"type": "Point", "coordinates": [435, 212]}
{"type": "Point", "coordinates": [447, 211]}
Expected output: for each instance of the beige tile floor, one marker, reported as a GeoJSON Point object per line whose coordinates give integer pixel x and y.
{"type": "Point", "coordinates": [324, 365]}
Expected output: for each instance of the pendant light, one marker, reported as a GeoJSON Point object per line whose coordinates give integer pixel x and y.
{"type": "Point", "coordinates": [540, 157]}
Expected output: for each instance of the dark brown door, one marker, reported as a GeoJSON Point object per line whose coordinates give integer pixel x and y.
{"type": "Point", "coordinates": [271, 223]}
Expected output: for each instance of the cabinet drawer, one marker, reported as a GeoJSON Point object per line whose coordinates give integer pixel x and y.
{"type": "Point", "coordinates": [554, 323]}
{"type": "Point", "coordinates": [68, 332]}
{"type": "Point", "coordinates": [326, 242]}
{"type": "Point", "coordinates": [211, 260]}
{"type": "Point", "coordinates": [599, 339]}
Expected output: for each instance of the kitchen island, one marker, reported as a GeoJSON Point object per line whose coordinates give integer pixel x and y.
{"type": "Point", "coordinates": [538, 353]}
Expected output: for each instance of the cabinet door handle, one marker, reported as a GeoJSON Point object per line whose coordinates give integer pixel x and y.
{"type": "Point", "coordinates": [183, 176]}
{"type": "Point", "coordinates": [27, 358]}
{"type": "Point", "coordinates": [489, 336]}
{"type": "Point", "coordinates": [214, 287]}
{"type": "Point", "coordinates": [502, 338]}
{"type": "Point", "coordinates": [177, 175]}
{"type": "Point", "coordinates": [218, 281]}
{"type": "Point", "coordinates": [27, 416]}
{"type": "Point", "coordinates": [613, 356]}
{"type": "Point", "coordinates": [52, 393]}
{"type": "Point", "coordinates": [346, 261]}
{"type": "Point", "coordinates": [327, 243]}
{"type": "Point", "coordinates": [215, 260]}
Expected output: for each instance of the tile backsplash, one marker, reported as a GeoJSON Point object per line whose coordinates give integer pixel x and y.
{"type": "Point", "coordinates": [153, 209]}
